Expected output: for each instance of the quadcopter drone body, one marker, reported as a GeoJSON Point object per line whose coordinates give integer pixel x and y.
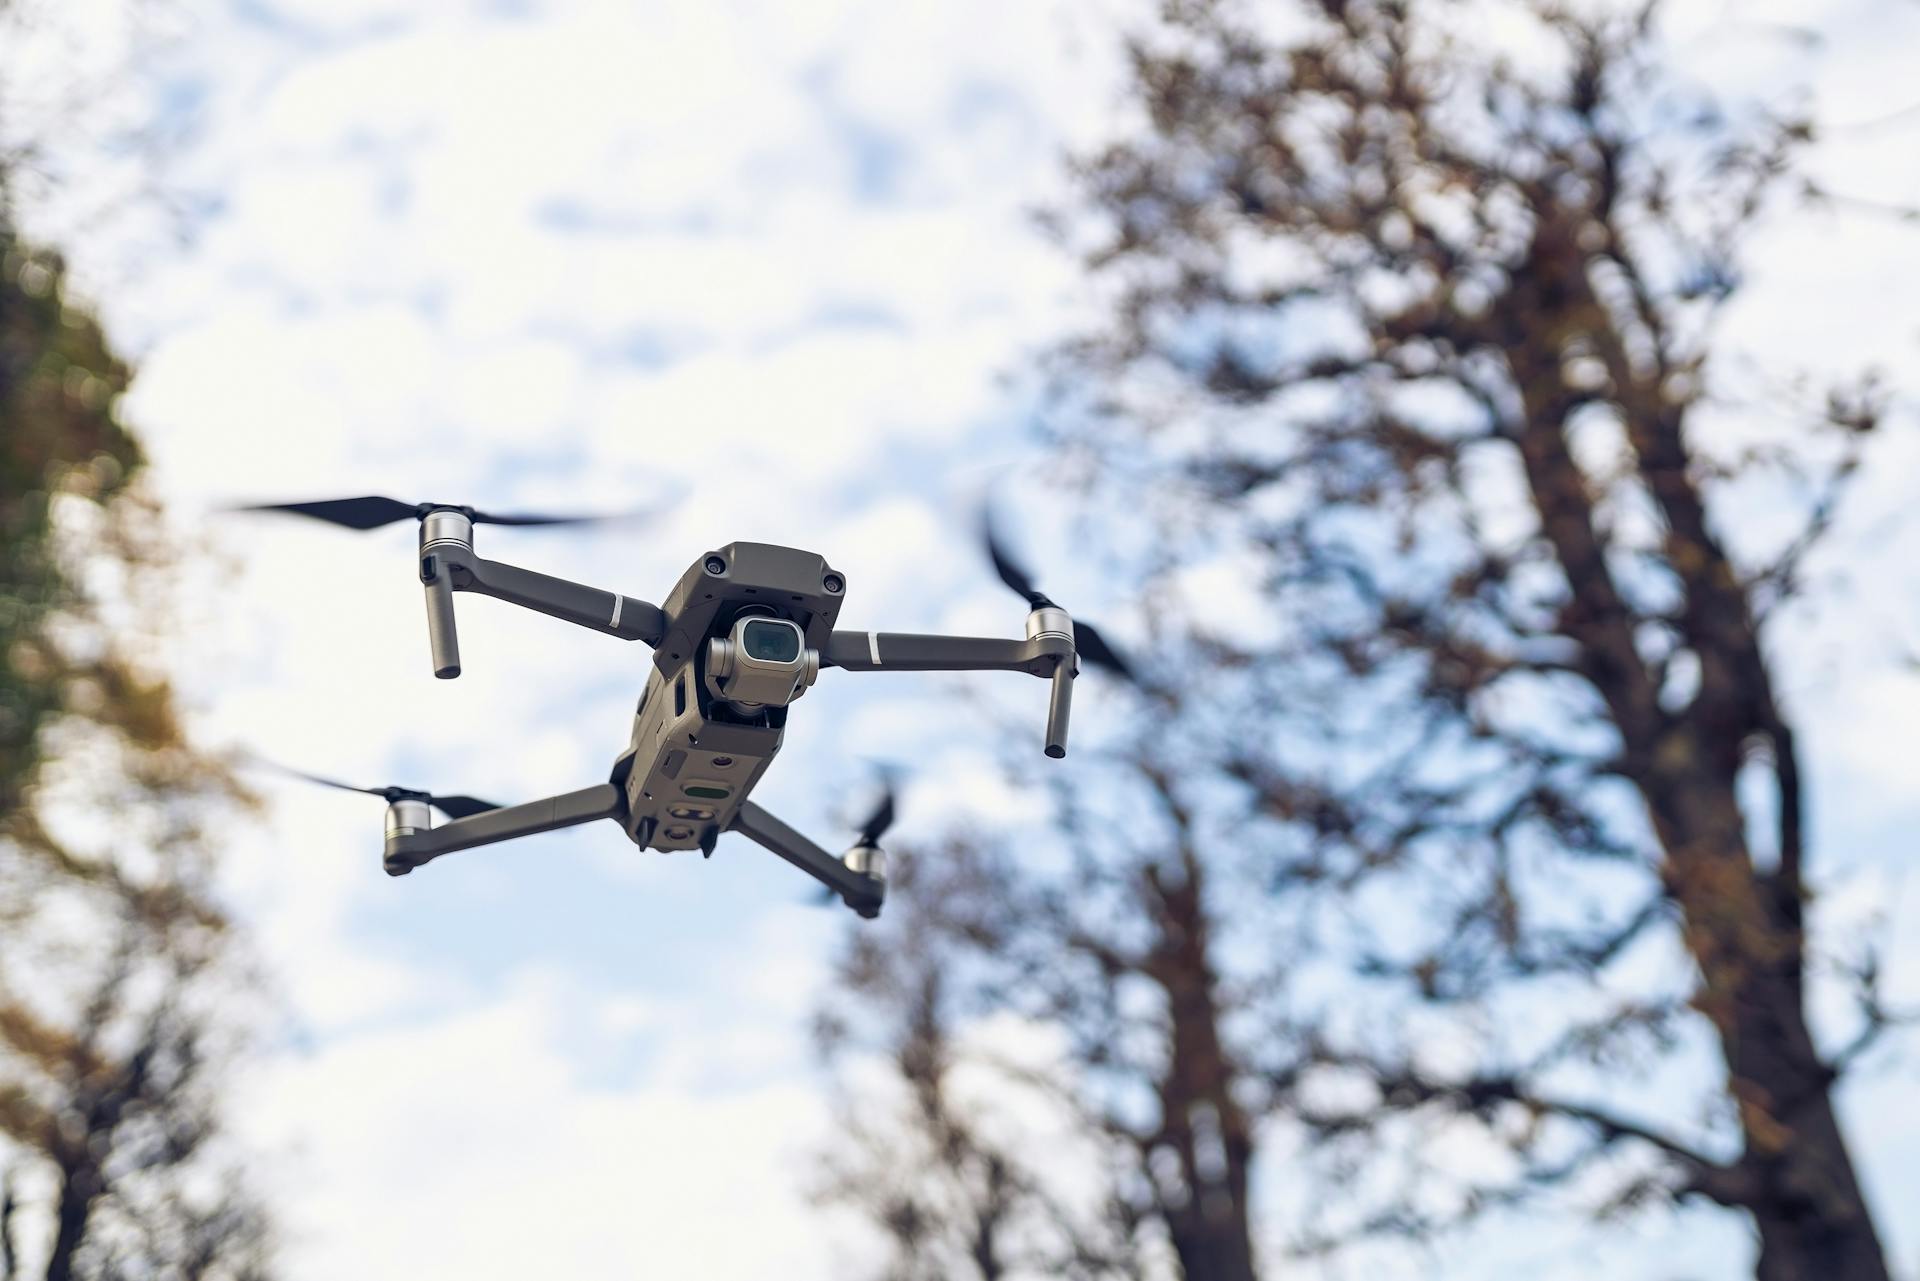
{"type": "Point", "coordinates": [742, 635]}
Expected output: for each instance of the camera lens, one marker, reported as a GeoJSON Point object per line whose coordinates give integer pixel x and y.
{"type": "Point", "coordinates": [771, 642]}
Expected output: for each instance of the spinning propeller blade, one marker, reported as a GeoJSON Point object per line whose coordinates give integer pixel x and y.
{"type": "Point", "coordinates": [373, 512]}
{"type": "Point", "coordinates": [1087, 639]}
{"type": "Point", "coordinates": [451, 806]}
{"type": "Point", "coordinates": [881, 818]}
{"type": "Point", "coordinates": [873, 827]}
{"type": "Point", "coordinates": [1011, 571]}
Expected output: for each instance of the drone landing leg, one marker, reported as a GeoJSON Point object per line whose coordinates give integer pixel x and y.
{"type": "Point", "coordinates": [407, 850]}
{"type": "Point", "coordinates": [861, 892]}
{"type": "Point", "coordinates": [1059, 707]}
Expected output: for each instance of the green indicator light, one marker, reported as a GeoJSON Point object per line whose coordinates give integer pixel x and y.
{"type": "Point", "coordinates": [709, 793]}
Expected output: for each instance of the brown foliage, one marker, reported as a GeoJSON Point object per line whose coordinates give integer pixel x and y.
{"type": "Point", "coordinates": [118, 976]}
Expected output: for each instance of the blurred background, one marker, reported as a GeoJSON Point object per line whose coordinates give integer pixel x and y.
{"type": "Point", "coordinates": [1486, 427]}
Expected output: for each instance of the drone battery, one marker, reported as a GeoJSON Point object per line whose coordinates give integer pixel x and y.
{"type": "Point", "coordinates": [690, 770]}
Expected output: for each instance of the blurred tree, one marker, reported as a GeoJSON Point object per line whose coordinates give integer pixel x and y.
{"type": "Point", "coordinates": [952, 1199]}
{"type": "Point", "coordinates": [57, 380]}
{"type": "Point", "coordinates": [1418, 349]}
{"type": "Point", "coordinates": [1111, 943]}
{"type": "Point", "coordinates": [117, 973]}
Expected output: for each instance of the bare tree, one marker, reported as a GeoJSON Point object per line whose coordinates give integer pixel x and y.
{"type": "Point", "coordinates": [946, 1182]}
{"type": "Point", "coordinates": [1109, 943]}
{"type": "Point", "coordinates": [1429, 328]}
{"type": "Point", "coordinates": [126, 1128]}
{"type": "Point", "coordinates": [1419, 337]}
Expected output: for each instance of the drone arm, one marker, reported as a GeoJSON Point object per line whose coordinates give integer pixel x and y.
{"type": "Point", "coordinates": [906, 652]}
{"type": "Point", "coordinates": [1048, 652]}
{"type": "Point", "coordinates": [861, 892]}
{"type": "Point", "coordinates": [409, 847]}
{"type": "Point", "coordinates": [602, 611]}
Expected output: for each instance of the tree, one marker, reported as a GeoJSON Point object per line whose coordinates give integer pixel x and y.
{"type": "Point", "coordinates": [1431, 328]}
{"type": "Point", "coordinates": [951, 1198]}
{"type": "Point", "coordinates": [119, 971]}
{"type": "Point", "coordinates": [1108, 937]}
{"type": "Point", "coordinates": [929, 1147]}
{"type": "Point", "coordinates": [1477, 819]}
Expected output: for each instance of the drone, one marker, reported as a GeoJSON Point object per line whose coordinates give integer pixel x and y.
{"type": "Point", "coordinates": [743, 634]}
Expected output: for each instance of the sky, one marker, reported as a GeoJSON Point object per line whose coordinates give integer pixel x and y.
{"type": "Point", "coordinates": [757, 268]}
{"type": "Point", "coordinates": [767, 270]}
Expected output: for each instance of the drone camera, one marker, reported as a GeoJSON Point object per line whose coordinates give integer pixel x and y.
{"type": "Point", "coordinates": [761, 662]}
{"type": "Point", "coordinates": [769, 642]}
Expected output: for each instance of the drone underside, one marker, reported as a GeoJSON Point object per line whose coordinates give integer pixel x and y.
{"type": "Point", "coordinates": [696, 754]}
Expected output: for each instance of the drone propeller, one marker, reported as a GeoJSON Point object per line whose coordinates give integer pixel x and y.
{"type": "Point", "coordinates": [373, 512]}
{"type": "Point", "coordinates": [882, 816]}
{"type": "Point", "coordinates": [1087, 640]}
{"type": "Point", "coordinates": [873, 827]}
{"type": "Point", "coordinates": [451, 806]}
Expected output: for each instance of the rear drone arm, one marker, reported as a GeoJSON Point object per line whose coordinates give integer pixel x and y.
{"type": "Point", "coordinates": [411, 841]}
{"type": "Point", "coordinates": [861, 889]}
{"type": "Point", "coordinates": [448, 565]}
{"type": "Point", "coordinates": [1048, 651]}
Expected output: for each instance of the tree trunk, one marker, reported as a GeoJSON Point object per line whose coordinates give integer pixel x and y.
{"type": "Point", "coordinates": [79, 1185]}
{"type": "Point", "coordinates": [9, 1261]}
{"type": "Point", "coordinates": [1813, 1220]}
{"type": "Point", "coordinates": [1796, 1175]}
{"type": "Point", "coordinates": [1201, 1122]}
{"type": "Point", "coordinates": [1742, 929]}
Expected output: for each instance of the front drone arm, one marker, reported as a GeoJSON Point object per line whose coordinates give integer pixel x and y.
{"type": "Point", "coordinates": [1048, 651]}
{"type": "Point", "coordinates": [862, 891]}
{"type": "Point", "coordinates": [603, 611]}
{"type": "Point", "coordinates": [411, 841]}
{"type": "Point", "coordinates": [448, 565]}
{"type": "Point", "coordinates": [907, 652]}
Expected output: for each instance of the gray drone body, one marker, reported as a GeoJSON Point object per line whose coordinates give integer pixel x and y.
{"type": "Point", "coordinates": [749, 622]}
{"type": "Point", "coordinates": [743, 634]}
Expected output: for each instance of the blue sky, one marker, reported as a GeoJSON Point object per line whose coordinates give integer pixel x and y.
{"type": "Point", "coordinates": [768, 267]}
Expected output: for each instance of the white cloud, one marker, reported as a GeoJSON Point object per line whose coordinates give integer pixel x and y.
{"type": "Point", "coordinates": [595, 256]}
{"type": "Point", "coordinates": [471, 1144]}
{"type": "Point", "coordinates": [743, 257]}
